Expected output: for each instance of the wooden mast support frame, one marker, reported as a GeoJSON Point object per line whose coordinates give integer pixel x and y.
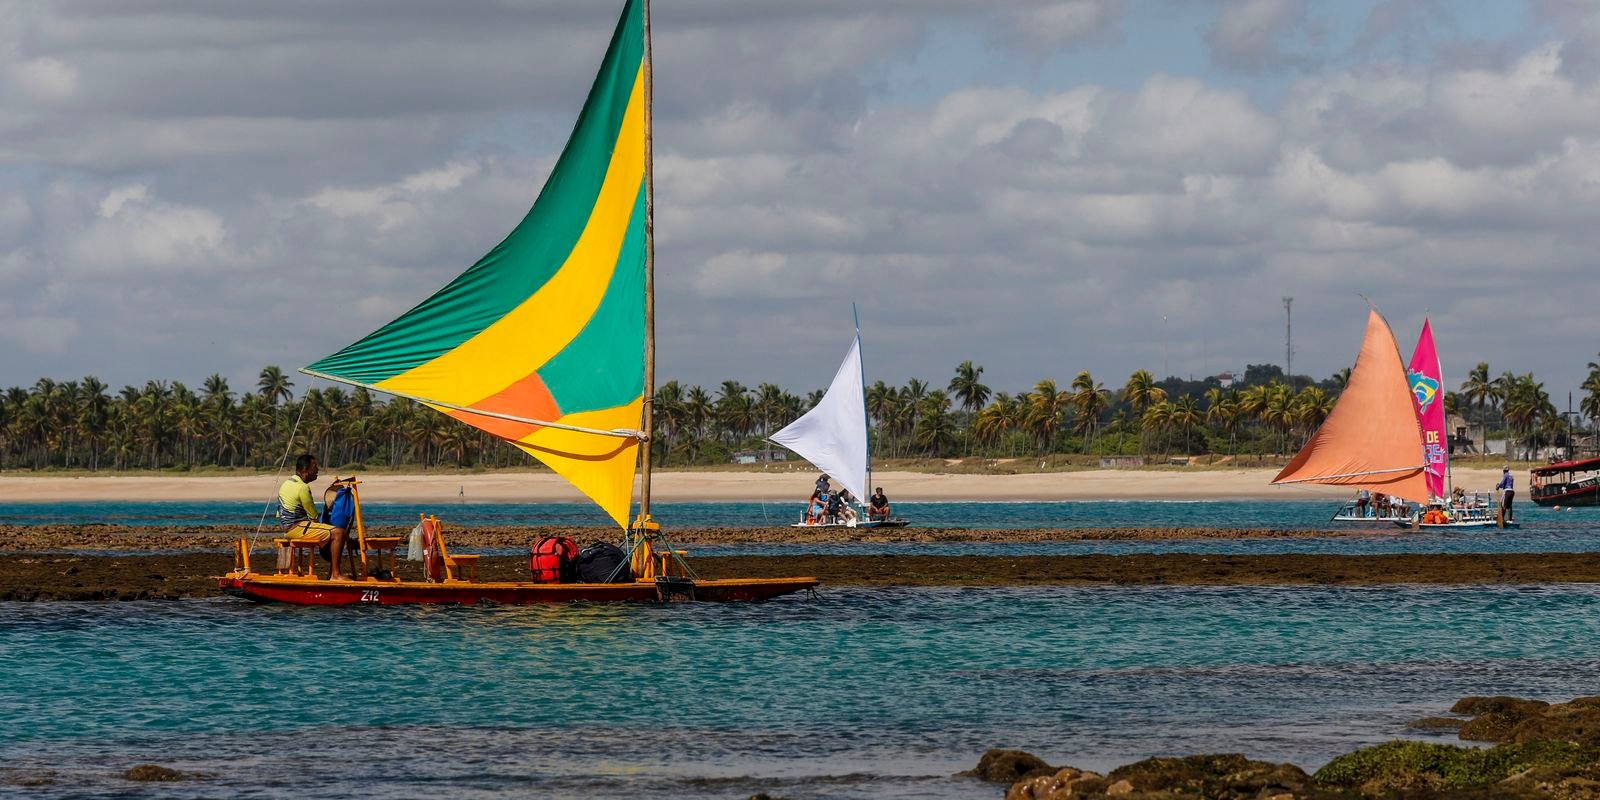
{"type": "Point", "coordinates": [643, 536]}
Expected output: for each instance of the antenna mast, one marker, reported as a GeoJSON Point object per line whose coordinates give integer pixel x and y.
{"type": "Point", "coordinates": [1288, 340]}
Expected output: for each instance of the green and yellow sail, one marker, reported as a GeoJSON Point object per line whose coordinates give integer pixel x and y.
{"type": "Point", "coordinates": [549, 326]}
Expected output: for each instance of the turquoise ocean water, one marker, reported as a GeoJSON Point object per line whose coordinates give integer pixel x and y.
{"type": "Point", "coordinates": [857, 693]}
{"type": "Point", "coordinates": [1281, 515]}
{"type": "Point", "coordinates": [1544, 530]}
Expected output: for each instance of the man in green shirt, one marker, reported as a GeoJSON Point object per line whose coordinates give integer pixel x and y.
{"type": "Point", "coordinates": [297, 514]}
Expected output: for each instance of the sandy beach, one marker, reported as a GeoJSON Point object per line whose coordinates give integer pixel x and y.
{"type": "Point", "coordinates": [543, 487]}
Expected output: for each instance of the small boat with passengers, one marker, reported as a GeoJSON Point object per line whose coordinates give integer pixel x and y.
{"type": "Point", "coordinates": [833, 437]}
{"type": "Point", "coordinates": [1566, 483]}
{"type": "Point", "coordinates": [1386, 438]}
{"type": "Point", "coordinates": [1465, 511]}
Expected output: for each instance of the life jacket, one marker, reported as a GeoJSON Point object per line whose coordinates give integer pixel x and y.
{"type": "Point", "coordinates": [553, 559]}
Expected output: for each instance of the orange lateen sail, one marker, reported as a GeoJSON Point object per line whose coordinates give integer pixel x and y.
{"type": "Point", "coordinates": [1372, 439]}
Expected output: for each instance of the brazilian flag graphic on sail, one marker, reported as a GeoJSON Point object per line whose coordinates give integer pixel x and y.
{"type": "Point", "coordinates": [549, 326]}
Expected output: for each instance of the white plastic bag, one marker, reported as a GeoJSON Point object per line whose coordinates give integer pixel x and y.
{"type": "Point", "coordinates": [414, 547]}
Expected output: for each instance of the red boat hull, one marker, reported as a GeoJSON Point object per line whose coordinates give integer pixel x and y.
{"type": "Point", "coordinates": [311, 592]}
{"type": "Point", "coordinates": [1581, 496]}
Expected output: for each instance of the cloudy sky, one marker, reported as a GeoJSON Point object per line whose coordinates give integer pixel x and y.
{"type": "Point", "coordinates": [189, 187]}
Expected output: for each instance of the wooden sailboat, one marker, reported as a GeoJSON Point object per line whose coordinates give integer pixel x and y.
{"type": "Point", "coordinates": [1421, 382]}
{"type": "Point", "coordinates": [833, 437]}
{"type": "Point", "coordinates": [548, 343]}
{"type": "Point", "coordinates": [1371, 440]}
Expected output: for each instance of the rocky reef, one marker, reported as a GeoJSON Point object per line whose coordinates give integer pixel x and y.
{"type": "Point", "coordinates": [1539, 749]}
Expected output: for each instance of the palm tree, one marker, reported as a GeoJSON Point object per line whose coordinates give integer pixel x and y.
{"type": "Point", "coordinates": [1590, 405]}
{"type": "Point", "coordinates": [1185, 414]}
{"type": "Point", "coordinates": [1047, 406]}
{"type": "Point", "coordinates": [768, 404]}
{"type": "Point", "coordinates": [1224, 413]}
{"type": "Point", "coordinates": [1342, 378]}
{"type": "Point", "coordinates": [1480, 391]}
{"type": "Point", "coordinates": [1525, 406]}
{"type": "Point", "coordinates": [936, 433]}
{"type": "Point", "coordinates": [1279, 412]}
{"type": "Point", "coordinates": [1140, 392]}
{"type": "Point", "coordinates": [735, 413]}
{"type": "Point", "coordinates": [1157, 417]}
{"type": "Point", "coordinates": [274, 385]}
{"type": "Point", "coordinates": [1311, 407]}
{"type": "Point", "coordinates": [699, 411]}
{"type": "Point", "coordinates": [94, 409]}
{"type": "Point", "coordinates": [995, 420]}
{"type": "Point", "coordinates": [968, 389]}
{"type": "Point", "coordinates": [1089, 398]}
{"type": "Point", "coordinates": [668, 415]}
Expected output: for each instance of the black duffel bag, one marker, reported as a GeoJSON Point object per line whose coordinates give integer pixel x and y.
{"type": "Point", "coordinates": [603, 562]}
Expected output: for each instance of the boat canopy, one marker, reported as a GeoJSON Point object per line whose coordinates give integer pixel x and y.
{"type": "Point", "coordinates": [833, 434]}
{"type": "Point", "coordinates": [542, 341]}
{"type": "Point", "coordinates": [1371, 439]}
{"type": "Point", "coordinates": [1583, 465]}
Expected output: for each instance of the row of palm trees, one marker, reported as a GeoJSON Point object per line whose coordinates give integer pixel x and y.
{"type": "Point", "coordinates": [82, 425]}
{"type": "Point", "coordinates": [1522, 405]}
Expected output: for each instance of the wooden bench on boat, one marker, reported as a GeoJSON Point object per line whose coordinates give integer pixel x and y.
{"type": "Point", "coordinates": [298, 555]}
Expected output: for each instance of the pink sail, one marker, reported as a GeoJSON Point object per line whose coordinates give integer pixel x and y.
{"type": "Point", "coordinates": [1427, 390]}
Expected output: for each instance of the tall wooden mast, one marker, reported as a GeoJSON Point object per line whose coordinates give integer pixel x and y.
{"type": "Point", "coordinates": [647, 426]}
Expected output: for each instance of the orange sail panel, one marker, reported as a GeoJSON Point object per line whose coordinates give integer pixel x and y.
{"type": "Point", "coordinates": [1372, 439]}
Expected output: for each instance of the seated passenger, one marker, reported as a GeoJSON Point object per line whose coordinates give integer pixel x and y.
{"type": "Point", "coordinates": [835, 504]}
{"type": "Point", "coordinates": [297, 514]}
{"type": "Point", "coordinates": [816, 507]}
{"type": "Point", "coordinates": [847, 507]}
{"type": "Point", "coordinates": [878, 506]}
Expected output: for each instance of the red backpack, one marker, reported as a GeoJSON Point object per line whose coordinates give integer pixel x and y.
{"type": "Point", "coordinates": [553, 559]}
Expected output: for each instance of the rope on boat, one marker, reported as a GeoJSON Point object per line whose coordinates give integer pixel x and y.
{"type": "Point", "coordinates": [288, 447]}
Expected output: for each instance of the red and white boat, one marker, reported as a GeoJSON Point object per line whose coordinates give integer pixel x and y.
{"type": "Point", "coordinates": [1568, 483]}
{"type": "Point", "coordinates": [547, 342]}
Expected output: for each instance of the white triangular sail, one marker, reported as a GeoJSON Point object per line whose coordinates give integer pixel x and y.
{"type": "Point", "coordinates": [833, 434]}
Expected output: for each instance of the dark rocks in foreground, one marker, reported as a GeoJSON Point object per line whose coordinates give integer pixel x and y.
{"type": "Point", "coordinates": [1221, 777]}
{"type": "Point", "coordinates": [1542, 750]}
{"type": "Point", "coordinates": [155, 773]}
{"type": "Point", "coordinates": [1008, 767]}
{"type": "Point", "coordinates": [1519, 769]}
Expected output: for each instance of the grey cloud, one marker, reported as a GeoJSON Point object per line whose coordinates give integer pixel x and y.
{"type": "Point", "coordinates": [1474, 116]}
{"type": "Point", "coordinates": [1402, 25]}
{"type": "Point", "coordinates": [1253, 35]}
{"type": "Point", "coordinates": [1065, 22]}
{"type": "Point", "coordinates": [1036, 231]}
